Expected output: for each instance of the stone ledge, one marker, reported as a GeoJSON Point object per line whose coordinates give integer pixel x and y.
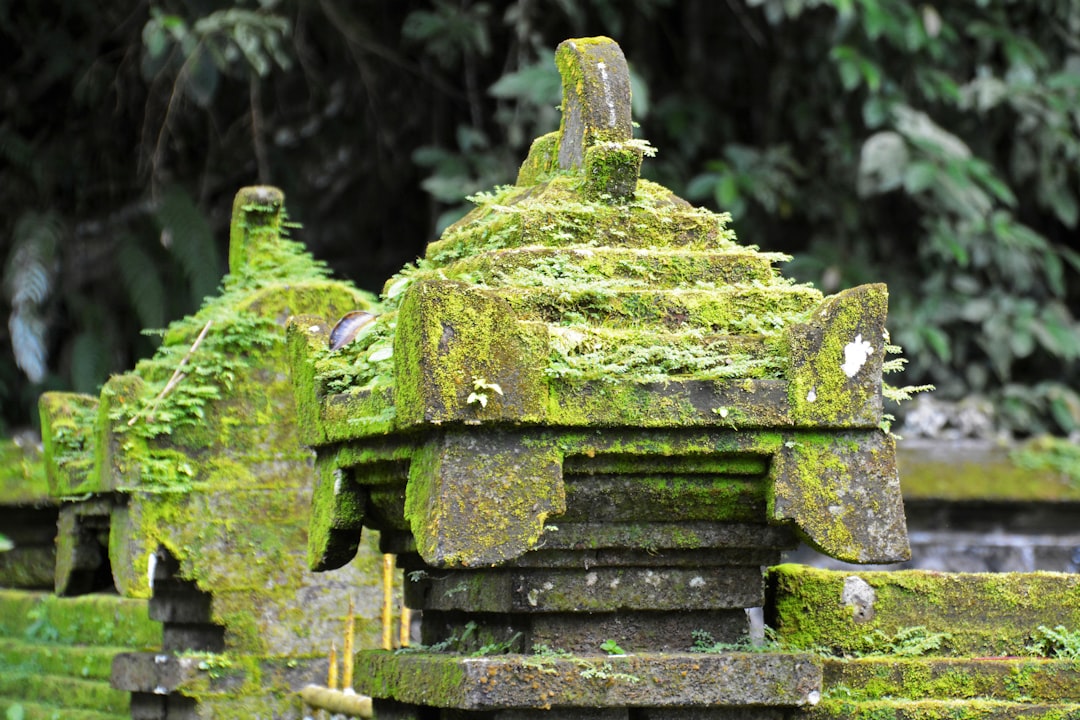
{"type": "Point", "coordinates": [1003, 678]}
{"type": "Point", "coordinates": [984, 614]}
{"type": "Point", "coordinates": [952, 709]}
{"type": "Point", "coordinates": [537, 681]}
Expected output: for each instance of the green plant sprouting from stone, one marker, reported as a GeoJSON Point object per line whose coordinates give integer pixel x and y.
{"type": "Point", "coordinates": [611, 647]}
{"type": "Point", "coordinates": [481, 388]}
{"type": "Point", "coordinates": [897, 395]}
{"type": "Point", "coordinates": [1057, 642]}
{"type": "Point", "coordinates": [913, 641]}
{"type": "Point", "coordinates": [704, 642]}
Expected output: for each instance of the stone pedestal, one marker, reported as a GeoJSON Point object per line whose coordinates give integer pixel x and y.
{"type": "Point", "coordinates": [584, 422]}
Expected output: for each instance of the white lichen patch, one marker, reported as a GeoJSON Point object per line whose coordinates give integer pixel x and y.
{"type": "Point", "coordinates": [697, 581]}
{"type": "Point", "coordinates": [856, 353]}
{"type": "Point", "coordinates": [859, 597]}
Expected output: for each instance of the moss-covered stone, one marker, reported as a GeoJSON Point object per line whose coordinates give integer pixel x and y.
{"type": "Point", "coordinates": [596, 97]}
{"type": "Point", "coordinates": [68, 449]}
{"type": "Point", "coordinates": [476, 501]}
{"type": "Point", "coordinates": [1009, 679]}
{"type": "Point", "coordinates": [105, 620]}
{"type": "Point", "coordinates": [856, 517]}
{"type": "Point", "coordinates": [983, 614]}
{"type": "Point", "coordinates": [23, 478]}
{"type": "Point", "coordinates": [836, 360]}
{"type": "Point", "coordinates": [584, 297]}
{"type": "Point", "coordinates": [450, 337]}
{"type": "Point", "coordinates": [904, 709]}
{"type": "Point", "coordinates": [542, 682]}
{"type": "Point", "coordinates": [983, 472]}
{"type": "Point", "coordinates": [196, 457]}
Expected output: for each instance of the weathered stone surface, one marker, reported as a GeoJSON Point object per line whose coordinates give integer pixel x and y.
{"type": "Point", "coordinates": [712, 714]}
{"type": "Point", "coordinates": [68, 451]}
{"type": "Point", "coordinates": [27, 567]}
{"type": "Point", "coordinates": [475, 500]}
{"type": "Point", "coordinates": [450, 335]}
{"type": "Point", "coordinates": [155, 673]}
{"type": "Point", "coordinates": [1010, 679]}
{"type": "Point", "coordinates": [599, 589]}
{"type": "Point", "coordinates": [982, 614]}
{"type": "Point", "coordinates": [596, 97]}
{"type": "Point", "coordinates": [536, 681]}
{"type": "Point", "coordinates": [635, 632]}
{"type": "Point", "coordinates": [842, 492]}
{"type": "Point", "coordinates": [836, 360]}
{"type": "Point", "coordinates": [967, 709]}
{"type": "Point", "coordinates": [667, 536]}
{"type": "Point", "coordinates": [23, 476]}
{"type": "Point", "coordinates": [976, 470]}
{"type": "Point", "coordinates": [80, 554]}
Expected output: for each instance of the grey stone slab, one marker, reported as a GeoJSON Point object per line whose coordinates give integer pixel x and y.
{"type": "Point", "coordinates": [537, 682]}
{"type": "Point", "coordinates": [657, 536]}
{"type": "Point", "coordinates": [154, 673]}
{"type": "Point", "coordinates": [599, 590]}
{"type": "Point", "coordinates": [634, 631]}
{"type": "Point", "coordinates": [591, 559]}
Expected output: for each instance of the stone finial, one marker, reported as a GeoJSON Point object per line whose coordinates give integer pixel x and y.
{"type": "Point", "coordinates": [596, 132]}
{"type": "Point", "coordinates": [596, 97]}
{"type": "Point", "coordinates": [257, 211]}
{"type": "Point", "coordinates": [596, 135]}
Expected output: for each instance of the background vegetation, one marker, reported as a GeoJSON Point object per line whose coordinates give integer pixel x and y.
{"type": "Point", "coordinates": [934, 146]}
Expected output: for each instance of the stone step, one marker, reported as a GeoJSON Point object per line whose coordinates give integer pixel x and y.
{"type": "Point", "coordinates": [85, 620]}
{"type": "Point", "coordinates": [979, 614]}
{"type": "Point", "coordinates": [731, 309]}
{"type": "Point", "coordinates": [697, 681]}
{"type": "Point", "coordinates": [68, 692]}
{"type": "Point", "coordinates": [1005, 679]}
{"type": "Point", "coordinates": [39, 711]}
{"type": "Point", "coordinates": [74, 660]}
{"type": "Point", "coordinates": [837, 708]}
{"type": "Point", "coordinates": [543, 266]}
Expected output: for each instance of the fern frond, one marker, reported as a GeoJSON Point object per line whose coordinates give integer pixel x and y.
{"type": "Point", "coordinates": [139, 274]}
{"type": "Point", "coordinates": [192, 241]}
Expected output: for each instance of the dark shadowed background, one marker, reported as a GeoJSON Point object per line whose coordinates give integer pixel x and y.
{"type": "Point", "coordinates": [932, 146]}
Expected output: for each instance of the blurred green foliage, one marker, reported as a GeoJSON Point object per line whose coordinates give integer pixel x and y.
{"type": "Point", "coordinates": [932, 146]}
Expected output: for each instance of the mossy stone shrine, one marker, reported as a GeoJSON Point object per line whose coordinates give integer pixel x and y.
{"type": "Point", "coordinates": [584, 422]}
{"type": "Point", "coordinates": [186, 483]}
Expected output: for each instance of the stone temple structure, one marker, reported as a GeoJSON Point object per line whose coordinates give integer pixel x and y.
{"type": "Point", "coordinates": [185, 483]}
{"type": "Point", "coordinates": [584, 422]}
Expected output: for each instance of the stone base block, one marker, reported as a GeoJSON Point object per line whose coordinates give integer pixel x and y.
{"type": "Point", "coordinates": [537, 682]}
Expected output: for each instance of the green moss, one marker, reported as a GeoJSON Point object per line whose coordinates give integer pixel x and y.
{"type": "Point", "coordinates": [23, 479]}
{"type": "Point", "coordinates": [842, 493]}
{"type": "Point", "coordinates": [991, 473]}
{"type": "Point", "coordinates": [983, 614]}
{"type": "Point", "coordinates": [85, 620]}
{"type": "Point", "coordinates": [448, 336]}
{"type": "Point", "coordinates": [903, 709]}
{"type": "Point", "coordinates": [471, 508]}
{"type": "Point", "coordinates": [821, 391]}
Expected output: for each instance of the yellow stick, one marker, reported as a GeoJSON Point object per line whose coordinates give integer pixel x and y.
{"type": "Point", "coordinates": [331, 674]}
{"type": "Point", "coordinates": [388, 602]}
{"type": "Point", "coordinates": [337, 701]}
{"type": "Point", "coordinates": [406, 621]}
{"type": "Point", "coordinates": [346, 680]}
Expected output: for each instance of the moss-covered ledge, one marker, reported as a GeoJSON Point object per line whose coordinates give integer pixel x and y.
{"type": "Point", "coordinates": [980, 614]}
{"type": "Point", "coordinates": [987, 471]}
{"type": "Point", "coordinates": [22, 474]}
